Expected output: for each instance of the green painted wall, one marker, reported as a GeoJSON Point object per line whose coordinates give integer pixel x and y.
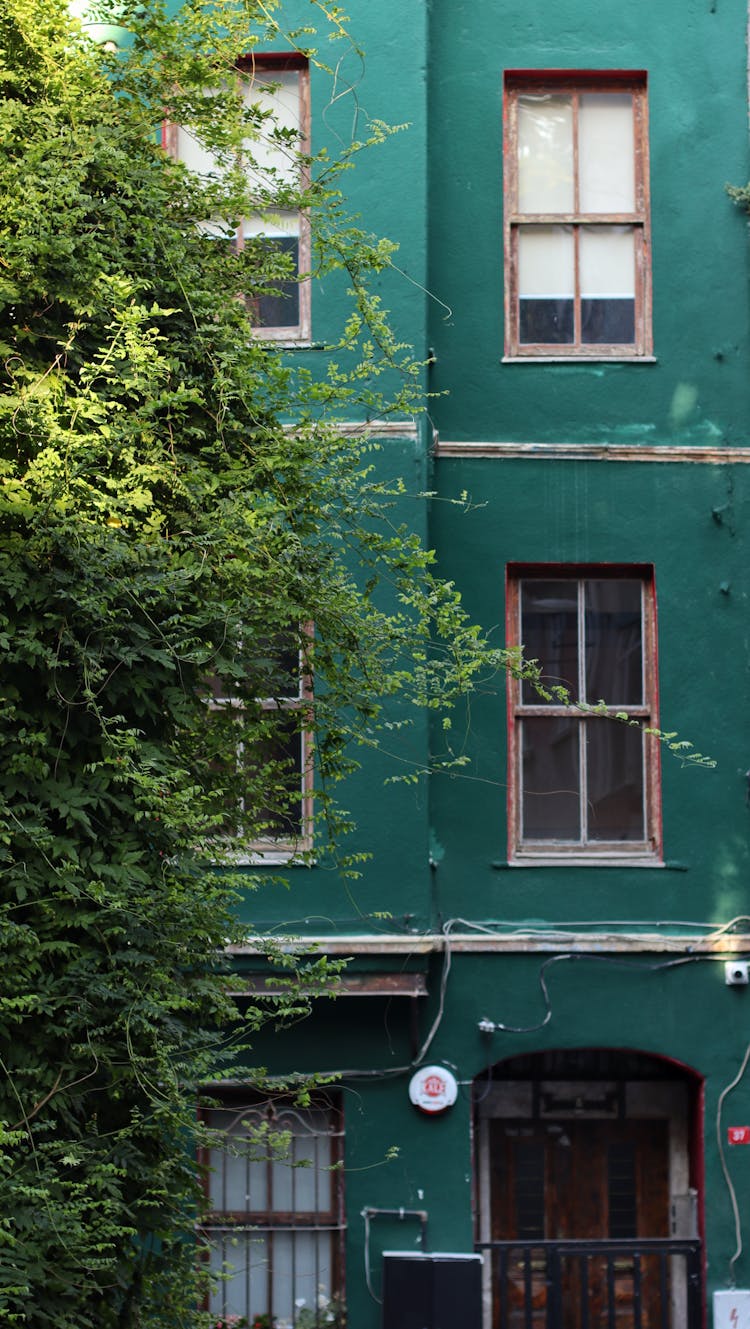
{"type": "Point", "coordinates": [609, 512]}
{"type": "Point", "coordinates": [685, 1013]}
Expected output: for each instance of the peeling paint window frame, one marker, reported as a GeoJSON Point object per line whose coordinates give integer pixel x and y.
{"type": "Point", "coordinates": [573, 83]}
{"type": "Point", "coordinates": [268, 850]}
{"type": "Point", "coordinates": [263, 67]}
{"type": "Point", "coordinates": [522, 850]}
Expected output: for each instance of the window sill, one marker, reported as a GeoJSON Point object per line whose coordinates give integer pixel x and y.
{"type": "Point", "coordinates": [579, 360]}
{"type": "Point", "coordinates": [271, 857]}
{"type": "Point", "coordinates": [590, 860]}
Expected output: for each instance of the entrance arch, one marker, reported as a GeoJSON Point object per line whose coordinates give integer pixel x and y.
{"type": "Point", "coordinates": [589, 1181]}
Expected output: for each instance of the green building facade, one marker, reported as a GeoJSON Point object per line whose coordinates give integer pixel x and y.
{"type": "Point", "coordinates": [551, 923]}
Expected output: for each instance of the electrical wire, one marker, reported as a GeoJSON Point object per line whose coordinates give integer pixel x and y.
{"type": "Point", "coordinates": [722, 1158]}
{"type": "Point", "coordinates": [368, 1275]}
{"type": "Point", "coordinates": [496, 1026]}
{"type": "Point", "coordinates": [388, 1072]}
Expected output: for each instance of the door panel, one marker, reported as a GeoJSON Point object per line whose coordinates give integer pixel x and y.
{"type": "Point", "coordinates": [586, 1180]}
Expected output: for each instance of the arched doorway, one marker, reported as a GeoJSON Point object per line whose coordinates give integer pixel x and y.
{"type": "Point", "coordinates": [589, 1175]}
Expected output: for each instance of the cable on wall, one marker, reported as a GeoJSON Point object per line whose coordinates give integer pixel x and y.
{"type": "Point", "coordinates": [722, 1158]}
{"type": "Point", "coordinates": [487, 1026]}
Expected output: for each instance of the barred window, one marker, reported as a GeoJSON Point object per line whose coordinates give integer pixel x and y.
{"type": "Point", "coordinates": [275, 1225]}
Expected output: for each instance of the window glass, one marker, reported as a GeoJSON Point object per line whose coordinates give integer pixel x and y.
{"type": "Point", "coordinates": [614, 647]}
{"type": "Point", "coordinates": [606, 152]}
{"type": "Point", "coordinates": [546, 284]}
{"type": "Point", "coordinates": [273, 154]}
{"type": "Point", "coordinates": [549, 632]}
{"type": "Point", "coordinates": [607, 275]}
{"type": "Point", "coordinates": [545, 154]}
{"type": "Point", "coordinates": [551, 803]}
{"type": "Point", "coordinates": [614, 770]}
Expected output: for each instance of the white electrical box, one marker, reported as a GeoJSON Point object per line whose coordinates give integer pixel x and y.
{"type": "Point", "coordinates": [732, 1309]}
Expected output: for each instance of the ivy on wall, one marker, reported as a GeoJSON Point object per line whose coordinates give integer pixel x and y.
{"type": "Point", "coordinates": [160, 526]}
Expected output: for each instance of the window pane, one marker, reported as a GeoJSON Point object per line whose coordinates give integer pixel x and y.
{"type": "Point", "coordinates": [244, 1256]}
{"type": "Point", "coordinates": [614, 756]}
{"type": "Point", "coordinates": [545, 154]}
{"type": "Point", "coordinates": [546, 283]}
{"type": "Point", "coordinates": [280, 753]}
{"type": "Point", "coordinates": [549, 632]}
{"type": "Point", "coordinates": [606, 152]}
{"type": "Point", "coordinates": [550, 793]}
{"type": "Point", "coordinates": [278, 142]}
{"type": "Point", "coordinates": [614, 646]}
{"type": "Point", "coordinates": [195, 155]}
{"type": "Point", "coordinates": [607, 264]}
{"type": "Point", "coordinates": [279, 308]}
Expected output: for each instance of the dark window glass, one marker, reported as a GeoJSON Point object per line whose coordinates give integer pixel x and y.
{"type": "Point", "coordinates": [551, 779]}
{"type": "Point", "coordinates": [549, 632]}
{"type": "Point", "coordinates": [280, 753]}
{"type": "Point", "coordinates": [529, 1189]}
{"type": "Point", "coordinates": [609, 320]}
{"type": "Point", "coordinates": [621, 1190]}
{"type": "Point", "coordinates": [545, 321]}
{"type": "Point", "coordinates": [614, 650]}
{"type": "Point", "coordinates": [614, 760]}
{"type": "Point", "coordinates": [280, 309]}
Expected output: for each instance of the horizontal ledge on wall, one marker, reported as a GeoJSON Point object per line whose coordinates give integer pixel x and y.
{"type": "Point", "coordinates": [645, 452]}
{"type": "Point", "coordinates": [366, 428]}
{"type": "Point", "coordinates": [349, 985]}
{"type": "Point", "coordinates": [541, 940]}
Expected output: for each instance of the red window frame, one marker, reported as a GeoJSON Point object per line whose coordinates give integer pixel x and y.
{"type": "Point", "coordinates": [575, 81]}
{"type": "Point", "coordinates": [521, 850]}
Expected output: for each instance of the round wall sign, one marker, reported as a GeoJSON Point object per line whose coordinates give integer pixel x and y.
{"type": "Point", "coordinates": [433, 1089]}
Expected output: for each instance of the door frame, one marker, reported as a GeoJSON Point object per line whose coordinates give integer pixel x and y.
{"type": "Point", "coordinates": [544, 1098]}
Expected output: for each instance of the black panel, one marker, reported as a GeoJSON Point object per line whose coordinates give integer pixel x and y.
{"type": "Point", "coordinates": [608, 321]}
{"type": "Point", "coordinates": [543, 321]}
{"type": "Point", "coordinates": [431, 1292]}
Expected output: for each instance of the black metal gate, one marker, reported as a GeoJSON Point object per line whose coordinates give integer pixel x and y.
{"type": "Point", "coordinates": [652, 1283]}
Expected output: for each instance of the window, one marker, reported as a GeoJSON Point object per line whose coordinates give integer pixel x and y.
{"type": "Point", "coordinates": [576, 215]}
{"type": "Point", "coordinates": [272, 733]}
{"type": "Point", "coordinates": [584, 786]}
{"type": "Point", "coordinates": [277, 88]}
{"type": "Point", "coordinates": [275, 1225]}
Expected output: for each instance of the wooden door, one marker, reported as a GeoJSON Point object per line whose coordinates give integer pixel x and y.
{"type": "Point", "coordinates": [578, 1179]}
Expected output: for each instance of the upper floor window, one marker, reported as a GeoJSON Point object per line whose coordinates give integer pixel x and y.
{"type": "Point", "coordinates": [584, 786]}
{"type": "Point", "coordinates": [275, 93]}
{"type": "Point", "coordinates": [577, 247]}
{"type": "Point", "coordinates": [271, 734]}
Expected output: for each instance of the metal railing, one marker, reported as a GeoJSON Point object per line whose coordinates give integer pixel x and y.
{"type": "Point", "coordinates": [648, 1283]}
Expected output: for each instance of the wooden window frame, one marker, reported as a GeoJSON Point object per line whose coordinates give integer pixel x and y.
{"type": "Point", "coordinates": [284, 850]}
{"type": "Point", "coordinates": [574, 82]}
{"type": "Point", "coordinates": [329, 1218]}
{"type": "Point", "coordinates": [647, 852]}
{"type": "Point", "coordinates": [251, 65]}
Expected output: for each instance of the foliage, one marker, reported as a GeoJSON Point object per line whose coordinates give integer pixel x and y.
{"type": "Point", "coordinates": [160, 526]}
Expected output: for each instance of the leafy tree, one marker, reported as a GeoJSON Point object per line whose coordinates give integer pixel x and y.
{"type": "Point", "coordinates": [160, 527]}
